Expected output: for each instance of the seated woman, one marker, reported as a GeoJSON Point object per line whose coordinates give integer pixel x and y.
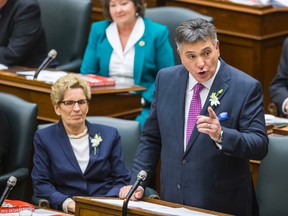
{"type": "Point", "coordinates": [74, 157]}
{"type": "Point", "coordinates": [128, 48]}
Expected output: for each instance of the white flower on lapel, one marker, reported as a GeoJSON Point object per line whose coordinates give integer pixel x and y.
{"type": "Point", "coordinates": [96, 142]}
{"type": "Point", "coordinates": [214, 101]}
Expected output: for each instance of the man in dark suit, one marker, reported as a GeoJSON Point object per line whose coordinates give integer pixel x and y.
{"type": "Point", "coordinates": [210, 168]}
{"type": "Point", "coordinates": [22, 38]}
{"type": "Point", "coordinates": [279, 85]}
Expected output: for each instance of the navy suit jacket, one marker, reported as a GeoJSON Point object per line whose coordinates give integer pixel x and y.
{"type": "Point", "coordinates": [57, 175]}
{"type": "Point", "coordinates": [205, 176]}
{"type": "Point", "coordinates": [279, 85]}
{"type": "Point", "coordinates": [22, 38]}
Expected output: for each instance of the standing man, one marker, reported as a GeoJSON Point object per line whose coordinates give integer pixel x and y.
{"type": "Point", "coordinates": [22, 38]}
{"type": "Point", "coordinates": [210, 168]}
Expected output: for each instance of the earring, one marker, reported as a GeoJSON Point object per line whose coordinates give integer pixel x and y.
{"type": "Point", "coordinates": [136, 14]}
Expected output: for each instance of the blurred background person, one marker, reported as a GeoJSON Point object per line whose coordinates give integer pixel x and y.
{"type": "Point", "coordinates": [4, 138]}
{"type": "Point", "coordinates": [74, 157]}
{"type": "Point", "coordinates": [22, 38]}
{"type": "Point", "coordinates": [128, 48]}
{"type": "Point", "coordinates": [279, 85]}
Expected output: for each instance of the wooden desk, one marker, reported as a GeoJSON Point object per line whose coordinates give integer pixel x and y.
{"type": "Point", "coordinates": [251, 37]}
{"type": "Point", "coordinates": [85, 206]}
{"type": "Point", "coordinates": [114, 101]}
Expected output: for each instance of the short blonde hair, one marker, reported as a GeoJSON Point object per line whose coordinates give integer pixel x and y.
{"type": "Point", "coordinates": [69, 81]}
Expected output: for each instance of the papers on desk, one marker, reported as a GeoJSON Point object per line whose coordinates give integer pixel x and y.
{"type": "Point", "coordinates": [3, 67]}
{"type": "Point", "coordinates": [154, 207]}
{"type": "Point", "coordinates": [45, 75]}
{"type": "Point", "coordinates": [251, 2]}
{"type": "Point", "coordinates": [277, 121]}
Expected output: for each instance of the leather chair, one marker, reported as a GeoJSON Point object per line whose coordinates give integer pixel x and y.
{"type": "Point", "coordinates": [271, 187]}
{"type": "Point", "coordinates": [66, 24]}
{"type": "Point", "coordinates": [172, 17]}
{"type": "Point", "coordinates": [22, 120]}
{"type": "Point", "coordinates": [129, 131]}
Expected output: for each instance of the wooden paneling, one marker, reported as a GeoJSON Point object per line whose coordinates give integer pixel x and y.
{"type": "Point", "coordinates": [114, 101]}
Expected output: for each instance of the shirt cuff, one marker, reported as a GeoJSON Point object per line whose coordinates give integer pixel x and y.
{"type": "Point", "coordinates": [65, 204]}
{"type": "Point", "coordinates": [283, 106]}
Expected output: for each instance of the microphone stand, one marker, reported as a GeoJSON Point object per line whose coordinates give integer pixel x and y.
{"type": "Point", "coordinates": [140, 178]}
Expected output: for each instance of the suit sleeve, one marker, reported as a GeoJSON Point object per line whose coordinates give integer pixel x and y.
{"type": "Point", "coordinates": [248, 140]}
{"type": "Point", "coordinates": [119, 172]}
{"type": "Point", "coordinates": [42, 180]}
{"type": "Point", "coordinates": [26, 30]}
{"type": "Point", "coordinates": [279, 85]}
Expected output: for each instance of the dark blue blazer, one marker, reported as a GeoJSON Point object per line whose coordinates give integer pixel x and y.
{"type": "Point", "coordinates": [56, 174]}
{"type": "Point", "coordinates": [205, 176]}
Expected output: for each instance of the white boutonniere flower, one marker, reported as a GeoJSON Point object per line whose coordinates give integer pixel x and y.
{"type": "Point", "coordinates": [214, 101]}
{"type": "Point", "coordinates": [96, 142]}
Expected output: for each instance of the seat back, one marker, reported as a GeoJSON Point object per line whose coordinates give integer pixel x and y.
{"type": "Point", "coordinates": [172, 17]}
{"type": "Point", "coordinates": [22, 120]}
{"type": "Point", "coordinates": [66, 24]}
{"type": "Point", "coordinates": [129, 131]}
{"type": "Point", "coordinates": [272, 181]}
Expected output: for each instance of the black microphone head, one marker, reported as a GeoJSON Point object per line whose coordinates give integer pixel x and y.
{"type": "Point", "coordinates": [142, 175]}
{"type": "Point", "coordinates": [12, 181]}
{"type": "Point", "coordinates": [52, 54]}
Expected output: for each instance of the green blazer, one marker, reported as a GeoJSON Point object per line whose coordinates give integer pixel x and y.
{"type": "Point", "coordinates": [152, 52]}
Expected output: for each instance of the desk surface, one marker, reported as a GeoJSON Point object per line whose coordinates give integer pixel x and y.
{"type": "Point", "coordinates": [85, 206]}
{"type": "Point", "coordinates": [114, 101]}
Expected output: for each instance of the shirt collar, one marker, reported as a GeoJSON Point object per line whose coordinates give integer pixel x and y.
{"type": "Point", "coordinates": [136, 34]}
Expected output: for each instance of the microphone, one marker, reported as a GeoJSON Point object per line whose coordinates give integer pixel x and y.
{"type": "Point", "coordinates": [10, 184]}
{"type": "Point", "coordinates": [140, 178]}
{"type": "Point", "coordinates": [50, 57]}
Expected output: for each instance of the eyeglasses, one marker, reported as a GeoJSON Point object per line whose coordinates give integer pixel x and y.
{"type": "Point", "coordinates": [71, 103]}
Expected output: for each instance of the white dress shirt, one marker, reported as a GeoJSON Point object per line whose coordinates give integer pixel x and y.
{"type": "Point", "coordinates": [203, 95]}
{"type": "Point", "coordinates": [121, 65]}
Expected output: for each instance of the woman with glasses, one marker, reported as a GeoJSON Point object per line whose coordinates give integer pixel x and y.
{"type": "Point", "coordinates": [74, 157]}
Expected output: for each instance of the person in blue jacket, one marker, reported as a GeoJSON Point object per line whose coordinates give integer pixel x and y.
{"type": "Point", "coordinates": [128, 48]}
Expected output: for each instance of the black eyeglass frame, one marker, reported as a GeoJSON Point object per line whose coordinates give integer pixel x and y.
{"type": "Point", "coordinates": [71, 103]}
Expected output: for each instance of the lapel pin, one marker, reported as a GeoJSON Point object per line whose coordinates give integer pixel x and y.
{"type": "Point", "coordinates": [142, 43]}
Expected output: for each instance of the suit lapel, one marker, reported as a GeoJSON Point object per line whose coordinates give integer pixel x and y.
{"type": "Point", "coordinates": [64, 143]}
{"type": "Point", "coordinates": [180, 93]}
{"type": "Point", "coordinates": [220, 82]}
{"type": "Point", "coordinates": [139, 58]}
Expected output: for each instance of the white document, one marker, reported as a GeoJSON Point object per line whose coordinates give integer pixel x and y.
{"type": "Point", "coordinates": [154, 207]}
{"type": "Point", "coordinates": [45, 75]}
{"type": "Point", "coordinates": [277, 121]}
{"type": "Point", "coordinates": [3, 67]}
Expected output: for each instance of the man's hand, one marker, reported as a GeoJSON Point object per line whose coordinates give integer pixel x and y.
{"type": "Point", "coordinates": [138, 194]}
{"type": "Point", "coordinates": [209, 125]}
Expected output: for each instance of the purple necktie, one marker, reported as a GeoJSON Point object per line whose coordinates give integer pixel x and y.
{"type": "Point", "coordinates": [194, 110]}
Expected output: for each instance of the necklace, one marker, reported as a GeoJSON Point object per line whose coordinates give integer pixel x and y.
{"type": "Point", "coordinates": [78, 136]}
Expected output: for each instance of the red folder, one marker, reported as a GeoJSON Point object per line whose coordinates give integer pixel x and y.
{"type": "Point", "coordinates": [96, 80]}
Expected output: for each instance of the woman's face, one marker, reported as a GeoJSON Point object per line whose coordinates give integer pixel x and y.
{"type": "Point", "coordinates": [2, 3]}
{"type": "Point", "coordinates": [123, 12]}
{"type": "Point", "coordinates": [73, 114]}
